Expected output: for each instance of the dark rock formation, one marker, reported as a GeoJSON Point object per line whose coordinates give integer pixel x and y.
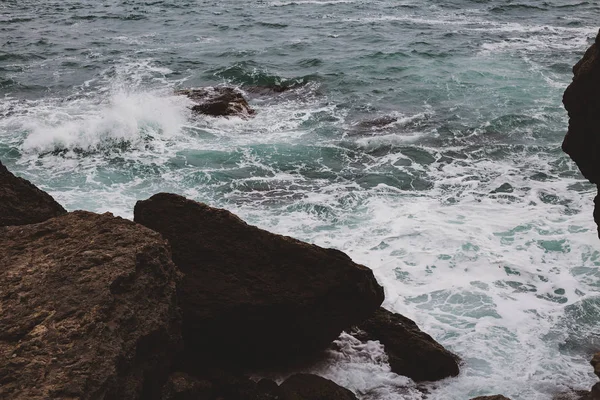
{"type": "Point", "coordinates": [265, 90]}
{"type": "Point", "coordinates": [253, 298]}
{"type": "Point", "coordinates": [22, 203]}
{"type": "Point", "coordinates": [88, 309]}
{"type": "Point", "coordinates": [582, 101]}
{"type": "Point", "coordinates": [218, 102]}
{"type": "Point", "coordinates": [596, 364]}
{"type": "Point", "coordinates": [313, 387]}
{"type": "Point", "coordinates": [411, 352]}
{"type": "Point", "coordinates": [181, 386]}
{"type": "Point", "coordinates": [496, 397]}
{"type": "Point", "coordinates": [574, 395]}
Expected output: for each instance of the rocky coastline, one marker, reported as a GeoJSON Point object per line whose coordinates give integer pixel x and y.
{"type": "Point", "coordinates": [186, 300]}
{"type": "Point", "coordinates": [180, 303]}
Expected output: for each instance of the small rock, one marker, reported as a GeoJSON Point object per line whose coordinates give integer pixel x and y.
{"type": "Point", "coordinates": [22, 203]}
{"type": "Point", "coordinates": [596, 364]}
{"type": "Point", "coordinates": [411, 352]}
{"type": "Point", "coordinates": [218, 102]}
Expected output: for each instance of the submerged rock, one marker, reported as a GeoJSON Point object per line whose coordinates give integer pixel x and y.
{"type": "Point", "coordinates": [411, 352]}
{"type": "Point", "coordinates": [88, 309]}
{"type": "Point", "coordinates": [218, 102]}
{"type": "Point", "coordinates": [582, 101]}
{"type": "Point", "coordinates": [253, 298]}
{"type": "Point", "coordinates": [313, 387]}
{"type": "Point", "coordinates": [23, 203]}
{"type": "Point", "coordinates": [264, 90]}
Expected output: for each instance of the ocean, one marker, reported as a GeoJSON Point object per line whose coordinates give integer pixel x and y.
{"type": "Point", "coordinates": [460, 199]}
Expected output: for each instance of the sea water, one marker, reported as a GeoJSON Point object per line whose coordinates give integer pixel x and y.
{"type": "Point", "coordinates": [476, 224]}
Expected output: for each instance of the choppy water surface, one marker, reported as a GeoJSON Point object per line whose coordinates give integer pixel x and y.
{"type": "Point", "coordinates": [477, 225]}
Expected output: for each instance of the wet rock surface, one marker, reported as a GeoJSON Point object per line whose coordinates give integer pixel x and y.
{"type": "Point", "coordinates": [582, 101]}
{"type": "Point", "coordinates": [23, 203]}
{"type": "Point", "coordinates": [313, 387]}
{"type": "Point", "coordinates": [218, 102]}
{"type": "Point", "coordinates": [88, 309]}
{"type": "Point", "coordinates": [411, 352]}
{"type": "Point", "coordinates": [253, 298]}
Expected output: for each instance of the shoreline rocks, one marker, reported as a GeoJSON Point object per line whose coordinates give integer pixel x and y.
{"type": "Point", "coordinates": [411, 352]}
{"type": "Point", "coordinates": [97, 307]}
{"type": "Point", "coordinates": [251, 296]}
{"type": "Point", "coordinates": [88, 309]}
{"type": "Point", "coordinates": [313, 387]}
{"type": "Point", "coordinates": [582, 101]}
{"type": "Point", "coordinates": [23, 203]}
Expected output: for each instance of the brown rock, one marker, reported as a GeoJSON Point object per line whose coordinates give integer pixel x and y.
{"type": "Point", "coordinates": [218, 102]}
{"type": "Point", "coordinates": [250, 297]}
{"type": "Point", "coordinates": [411, 352]}
{"type": "Point", "coordinates": [22, 203]}
{"type": "Point", "coordinates": [313, 387]}
{"type": "Point", "coordinates": [596, 364]}
{"type": "Point", "coordinates": [582, 101]}
{"type": "Point", "coordinates": [573, 395]}
{"type": "Point", "coordinates": [88, 309]}
{"type": "Point", "coordinates": [595, 393]}
{"type": "Point", "coordinates": [181, 386]}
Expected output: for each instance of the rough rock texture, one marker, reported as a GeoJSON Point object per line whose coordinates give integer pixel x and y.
{"type": "Point", "coordinates": [411, 352]}
{"type": "Point", "coordinates": [181, 386]}
{"type": "Point", "coordinates": [218, 102]}
{"type": "Point", "coordinates": [596, 364]}
{"type": "Point", "coordinates": [496, 397]}
{"type": "Point", "coordinates": [313, 387]}
{"type": "Point", "coordinates": [582, 101]}
{"type": "Point", "coordinates": [251, 297]}
{"type": "Point", "coordinates": [87, 309]}
{"type": "Point", "coordinates": [574, 395]}
{"type": "Point", "coordinates": [22, 203]}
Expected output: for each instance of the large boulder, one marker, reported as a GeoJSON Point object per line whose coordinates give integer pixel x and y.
{"type": "Point", "coordinates": [582, 101]}
{"type": "Point", "coordinates": [411, 352]}
{"type": "Point", "coordinates": [313, 387]}
{"type": "Point", "coordinates": [253, 298]}
{"type": "Point", "coordinates": [218, 102]}
{"type": "Point", "coordinates": [22, 203]}
{"type": "Point", "coordinates": [87, 309]}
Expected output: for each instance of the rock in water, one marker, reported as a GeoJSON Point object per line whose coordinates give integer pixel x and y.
{"type": "Point", "coordinates": [88, 309]}
{"type": "Point", "coordinates": [313, 387]}
{"type": "Point", "coordinates": [253, 298]}
{"type": "Point", "coordinates": [22, 203]}
{"type": "Point", "coordinates": [218, 102]}
{"type": "Point", "coordinates": [411, 352]}
{"type": "Point", "coordinates": [582, 101]}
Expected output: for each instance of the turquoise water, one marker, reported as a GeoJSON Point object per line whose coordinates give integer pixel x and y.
{"type": "Point", "coordinates": [477, 225]}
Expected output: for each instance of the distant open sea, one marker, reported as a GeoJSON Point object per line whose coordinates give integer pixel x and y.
{"type": "Point", "coordinates": [477, 225]}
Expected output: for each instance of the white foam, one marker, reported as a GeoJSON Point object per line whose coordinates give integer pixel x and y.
{"type": "Point", "coordinates": [124, 117]}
